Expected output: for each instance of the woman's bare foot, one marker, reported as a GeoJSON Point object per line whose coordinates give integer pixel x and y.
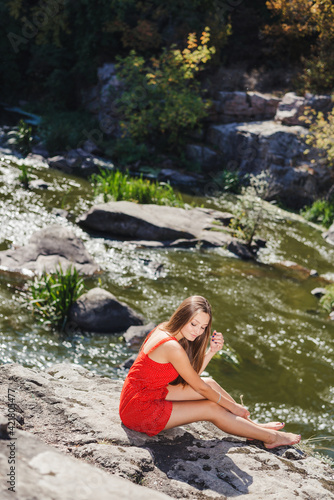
{"type": "Point", "coordinates": [274, 426]}
{"type": "Point", "coordinates": [283, 439]}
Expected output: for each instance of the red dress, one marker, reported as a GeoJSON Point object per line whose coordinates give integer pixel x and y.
{"type": "Point", "coordinates": [143, 406]}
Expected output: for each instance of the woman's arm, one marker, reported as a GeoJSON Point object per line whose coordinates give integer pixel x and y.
{"type": "Point", "coordinates": [216, 344]}
{"type": "Point", "coordinates": [179, 359]}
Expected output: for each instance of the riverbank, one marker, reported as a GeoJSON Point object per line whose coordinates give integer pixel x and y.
{"type": "Point", "coordinates": [75, 411]}
{"type": "Point", "coordinates": [275, 330]}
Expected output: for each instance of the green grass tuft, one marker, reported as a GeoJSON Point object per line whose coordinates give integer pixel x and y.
{"type": "Point", "coordinates": [320, 212]}
{"type": "Point", "coordinates": [52, 295]}
{"type": "Point", "coordinates": [115, 185]}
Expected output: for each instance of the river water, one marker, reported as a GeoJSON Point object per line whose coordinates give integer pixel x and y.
{"type": "Point", "coordinates": [281, 341]}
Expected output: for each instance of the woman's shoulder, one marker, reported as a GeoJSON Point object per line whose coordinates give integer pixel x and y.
{"type": "Point", "coordinates": [161, 335]}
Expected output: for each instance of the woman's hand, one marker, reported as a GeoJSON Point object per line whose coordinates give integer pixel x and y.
{"type": "Point", "coordinates": [240, 411]}
{"type": "Point", "coordinates": [216, 342]}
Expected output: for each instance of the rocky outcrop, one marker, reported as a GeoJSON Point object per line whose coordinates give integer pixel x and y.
{"type": "Point", "coordinates": [99, 311]}
{"type": "Point", "coordinates": [101, 100]}
{"type": "Point", "coordinates": [243, 106]}
{"type": "Point", "coordinates": [251, 148]}
{"type": "Point", "coordinates": [76, 411]}
{"type": "Point", "coordinates": [204, 156]}
{"type": "Point", "coordinates": [164, 226]}
{"type": "Point", "coordinates": [79, 162]}
{"type": "Point", "coordinates": [292, 107]}
{"type": "Point", "coordinates": [46, 250]}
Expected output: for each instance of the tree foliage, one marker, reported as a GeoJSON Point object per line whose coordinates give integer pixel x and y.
{"type": "Point", "coordinates": [308, 27]}
{"type": "Point", "coordinates": [54, 47]}
{"type": "Point", "coordinates": [162, 97]}
{"type": "Point", "coordinates": [321, 134]}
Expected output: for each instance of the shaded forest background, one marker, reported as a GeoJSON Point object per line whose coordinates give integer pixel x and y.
{"type": "Point", "coordinates": [52, 48]}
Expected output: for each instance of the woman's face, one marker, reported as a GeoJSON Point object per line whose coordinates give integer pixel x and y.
{"type": "Point", "coordinates": [196, 326]}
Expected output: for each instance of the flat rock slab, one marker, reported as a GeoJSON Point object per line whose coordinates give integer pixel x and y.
{"type": "Point", "coordinates": [160, 226]}
{"type": "Point", "coordinates": [47, 249]}
{"type": "Point", "coordinates": [149, 222]}
{"type": "Point", "coordinates": [76, 411]}
{"type": "Point", "coordinates": [44, 473]}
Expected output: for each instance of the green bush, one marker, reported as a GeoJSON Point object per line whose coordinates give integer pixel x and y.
{"type": "Point", "coordinates": [320, 212]}
{"type": "Point", "coordinates": [327, 300]}
{"type": "Point", "coordinates": [24, 138]}
{"type": "Point", "coordinates": [162, 98]}
{"type": "Point", "coordinates": [228, 181]}
{"type": "Point", "coordinates": [52, 295]}
{"type": "Point", "coordinates": [62, 130]}
{"type": "Point", "coordinates": [118, 186]}
{"type": "Point", "coordinates": [126, 152]}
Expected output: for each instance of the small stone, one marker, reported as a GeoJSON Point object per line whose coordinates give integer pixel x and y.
{"type": "Point", "coordinates": [318, 292]}
{"type": "Point", "coordinates": [135, 334]}
{"type": "Point", "coordinates": [60, 212]}
{"type": "Point", "coordinates": [240, 250]}
{"type": "Point", "coordinates": [38, 184]}
{"type": "Point", "coordinates": [293, 454]}
{"type": "Point", "coordinates": [260, 242]}
{"type": "Point", "coordinates": [129, 362]}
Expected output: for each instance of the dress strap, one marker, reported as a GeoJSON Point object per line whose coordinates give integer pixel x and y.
{"type": "Point", "coordinates": [163, 341]}
{"type": "Point", "coordinates": [149, 334]}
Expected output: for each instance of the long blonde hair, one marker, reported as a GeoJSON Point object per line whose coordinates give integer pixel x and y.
{"type": "Point", "coordinates": [183, 315]}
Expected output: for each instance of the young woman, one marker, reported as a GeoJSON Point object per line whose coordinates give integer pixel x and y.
{"type": "Point", "coordinates": [163, 388]}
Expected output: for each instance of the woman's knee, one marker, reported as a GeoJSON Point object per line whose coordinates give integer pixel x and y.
{"type": "Point", "coordinates": [214, 411]}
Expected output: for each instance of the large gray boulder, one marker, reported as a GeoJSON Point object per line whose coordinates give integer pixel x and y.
{"type": "Point", "coordinates": [255, 146]}
{"type": "Point", "coordinates": [146, 222]}
{"type": "Point", "coordinates": [99, 311]}
{"type": "Point", "coordinates": [165, 226]}
{"type": "Point", "coordinates": [130, 220]}
{"type": "Point", "coordinates": [76, 411]}
{"type": "Point", "coordinates": [45, 250]}
{"type": "Point", "coordinates": [252, 148]}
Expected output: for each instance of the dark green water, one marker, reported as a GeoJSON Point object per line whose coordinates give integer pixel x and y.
{"type": "Point", "coordinates": [268, 316]}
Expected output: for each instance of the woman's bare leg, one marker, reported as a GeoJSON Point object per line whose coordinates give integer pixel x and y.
{"type": "Point", "coordinates": [187, 393]}
{"type": "Point", "coordinates": [186, 412]}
